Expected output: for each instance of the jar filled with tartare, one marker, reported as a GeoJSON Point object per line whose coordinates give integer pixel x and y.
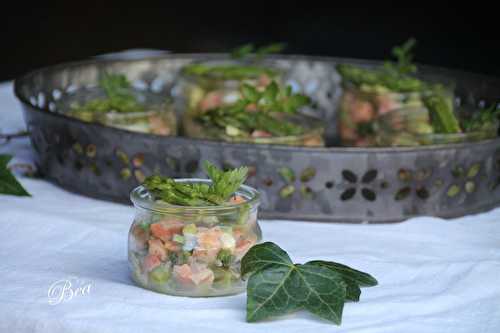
{"type": "Point", "coordinates": [189, 235]}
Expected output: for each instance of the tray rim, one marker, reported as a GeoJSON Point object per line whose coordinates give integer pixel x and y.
{"type": "Point", "coordinates": [18, 82]}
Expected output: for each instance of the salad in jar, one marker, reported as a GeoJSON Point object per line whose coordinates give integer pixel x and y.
{"type": "Point", "coordinates": [215, 83]}
{"type": "Point", "coordinates": [391, 106]}
{"type": "Point", "coordinates": [262, 116]}
{"type": "Point", "coordinates": [115, 103]}
{"type": "Point", "coordinates": [189, 235]}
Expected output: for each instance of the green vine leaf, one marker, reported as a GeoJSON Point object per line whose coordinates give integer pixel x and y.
{"type": "Point", "coordinates": [9, 183]}
{"type": "Point", "coordinates": [276, 286]}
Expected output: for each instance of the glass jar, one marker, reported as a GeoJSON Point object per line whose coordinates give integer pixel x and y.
{"type": "Point", "coordinates": [192, 251]}
{"type": "Point", "coordinates": [312, 136]}
{"type": "Point", "coordinates": [202, 91]}
{"type": "Point", "coordinates": [360, 106]}
{"type": "Point", "coordinates": [155, 114]}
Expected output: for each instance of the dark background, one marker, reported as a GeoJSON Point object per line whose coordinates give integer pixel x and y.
{"type": "Point", "coordinates": [450, 36]}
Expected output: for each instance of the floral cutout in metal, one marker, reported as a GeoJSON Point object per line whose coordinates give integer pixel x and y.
{"type": "Point", "coordinates": [291, 183]}
{"type": "Point", "coordinates": [367, 180]}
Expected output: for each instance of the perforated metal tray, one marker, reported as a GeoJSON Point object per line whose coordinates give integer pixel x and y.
{"type": "Point", "coordinates": [331, 184]}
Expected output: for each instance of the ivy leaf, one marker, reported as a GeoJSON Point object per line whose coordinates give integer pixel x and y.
{"type": "Point", "coordinates": [361, 278]}
{"type": "Point", "coordinates": [277, 286]}
{"type": "Point", "coordinates": [9, 183]}
{"type": "Point", "coordinates": [274, 291]}
{"type": "Point", "coordinates": [351, 277]}
{"type": "Point", "coordinates": [325, 290]}
{"type": "Point", "coordinates": [261, 255]}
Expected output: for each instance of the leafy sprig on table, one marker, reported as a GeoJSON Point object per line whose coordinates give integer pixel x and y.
{"type": "Point", "coordinates": [9, 183]}
{"type": "Point", "coordinates": [119, 96]}
{"type": "Point", "coordinates": [224, 185]}
{"type": "Point", "coordinates": [276, 286]}
{"type": "Point", "coordinates": [256, 110]}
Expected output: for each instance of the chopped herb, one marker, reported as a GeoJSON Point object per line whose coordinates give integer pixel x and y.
{"type": "Point", "coordinates": [119, 97]}
{"type": "Point", "coordinates": [481, 120]}
{"type": "Point", "coordinates": [224, 185]}
{"type": "Point", "coordinates": [237, 120]}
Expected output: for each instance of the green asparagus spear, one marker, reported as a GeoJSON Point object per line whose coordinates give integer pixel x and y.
{"type": "Point", "coordinates": [440, 108]}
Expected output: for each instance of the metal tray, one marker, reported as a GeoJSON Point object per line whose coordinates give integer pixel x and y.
{"type": "Point", "coordinates": [332, 184]}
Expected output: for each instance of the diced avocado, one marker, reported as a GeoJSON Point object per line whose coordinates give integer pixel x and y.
{"type": "Point", "coordinates": [178, 239]}
{"type": "Point", "coordinates": [189, 229]}
{"type": "Point", "coordinates": [160, 274]}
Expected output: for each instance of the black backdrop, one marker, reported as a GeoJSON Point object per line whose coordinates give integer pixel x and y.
{"type": "Point", "coordinates": [465, 38]}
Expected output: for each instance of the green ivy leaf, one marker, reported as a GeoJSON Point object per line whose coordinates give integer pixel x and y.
{"type": "Point", "coordinates": [261, 255]}
{"type": "Point", "coordinates": [361, 278]}
{"type": "Point", "coordinates": [9, 183]}
{"type": "Point", "coordinates": [273, 292]}
{"type": "Point", "coordinates": [277, 286]}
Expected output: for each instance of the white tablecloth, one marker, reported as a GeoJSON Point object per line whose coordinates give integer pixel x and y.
{"type": "Point", "coordinates": [435, 275]}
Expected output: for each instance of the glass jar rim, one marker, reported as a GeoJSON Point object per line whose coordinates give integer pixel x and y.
{"type": "Point", "coordinates": [223, 62]}
{"type": "Point", "coordinates": [141, 198]}
{"type": "Point", "coordinates": [349, 85]}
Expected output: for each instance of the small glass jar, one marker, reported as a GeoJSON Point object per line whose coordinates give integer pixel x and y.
{"type": "Point", "coordinates": [200, 92]}
{"type": "Point", "coordinates": [312, 136]}
{"type": "Point", "coordinates": [155, 114]}
{"type": "Point", "coordinates": [192, 251]}
{"type": "Point", "coordinates": [360, 106]}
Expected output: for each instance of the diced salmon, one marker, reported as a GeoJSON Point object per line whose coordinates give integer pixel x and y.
{"type": "Point", "coordinates": [182, 274]}
{"type": "Point", "coordinates": [158, 125]}
{"type": "Point", "coordinates": [193, 275]}
{"type": "Point", "coordinates": [211, 101]}
{"type": "Point", "coordinates": [386, 104]}
{"type": "Point", "coordinates": [208, 245]}
{"type": "Point", "coordinates": [242, 247]}
{"type": "Point", "coordinates": [172, 246]}
{"type": "Point", "coordinates": [362, 112]}
{"type": "Point", "coordinates": [313, 141]}
{"type": "Point", "coordinates": [264, 80]}
{"type": "Point", "coordinates": [150, 262]}
{"type": "Point", "coordinates": [165, 229]}
{"type": "Point", "coordinates": [203, 276]}
{"type": "Point", "coordinates": [236, 199]}
{"type": "Point", "coordinates": [251, 107]}
{"type": "Point", "coordinates": [140, 237]}
{"type": "Point", "coordinates": [156, 248]}
{"type": "Point", "coordinates": [261, 134]}
{"type": "Point", "coordinates": [205, 255]}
